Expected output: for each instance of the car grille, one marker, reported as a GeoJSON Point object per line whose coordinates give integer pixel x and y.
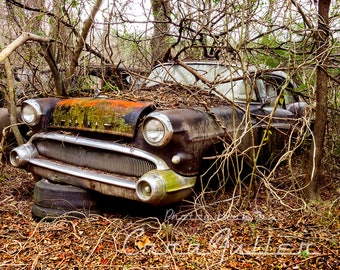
{"type": "Point", "coordinates": [94, 158]}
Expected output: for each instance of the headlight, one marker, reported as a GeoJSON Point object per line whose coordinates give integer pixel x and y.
{"type": "Point", "coordinates": [145, 189]}
{"type": "Point", "coordinates": [31, 112]}
{"type": "Point", "coordinates": [157, 129]}
{"type": "Point", "coordinates": [151, 187]}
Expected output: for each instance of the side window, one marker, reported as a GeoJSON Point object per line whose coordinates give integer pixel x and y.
{"type": "Point", "coordinates": [238, 90]}
{"type": "Point", "coordinates": [274, 94]}
{"type": "Point", "coordinates": [288, 95]}
{"type": "Point", "coordinates": [271, 94]}
{"type": "Point", "coordinates": [261, 90]}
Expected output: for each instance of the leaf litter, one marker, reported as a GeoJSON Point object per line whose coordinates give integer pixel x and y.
{"type": "Point", "coordinates": [214, 232]}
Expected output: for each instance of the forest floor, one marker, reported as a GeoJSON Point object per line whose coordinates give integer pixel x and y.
{"type": "Point", "coordinates": [275, 230]}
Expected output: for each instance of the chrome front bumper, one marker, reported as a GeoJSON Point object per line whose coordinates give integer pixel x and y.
{"type": "Point", "coordinates": [159, 185]}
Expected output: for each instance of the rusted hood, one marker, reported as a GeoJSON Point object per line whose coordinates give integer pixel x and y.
{"type": "Point", "coordinates": [99, 115]}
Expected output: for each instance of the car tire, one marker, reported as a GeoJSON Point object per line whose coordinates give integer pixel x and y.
{"type": "Point", "coordinates": [49, 214]}
{"type": "Point", "coordinates": [53, 199]}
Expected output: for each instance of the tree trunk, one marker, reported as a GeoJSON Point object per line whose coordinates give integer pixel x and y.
{"type": "Point", "coordinates": [314, 176]}
{"type": "Point", "coordinates": [81, 43]}
{"type": "Point", "coordinates": [159, 44]}
{"type": "Point", "coordinates": [12, 106]}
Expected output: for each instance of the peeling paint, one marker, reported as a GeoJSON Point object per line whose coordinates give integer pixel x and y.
{"type": "Point", "coordinates": [100, 115]}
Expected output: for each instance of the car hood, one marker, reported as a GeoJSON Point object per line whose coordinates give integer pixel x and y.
{"type": "Point", "coordinates": [98, 115]}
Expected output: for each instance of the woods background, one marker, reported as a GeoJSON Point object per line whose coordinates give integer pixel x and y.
{"type": "Point", "coordinates": [72, 48]}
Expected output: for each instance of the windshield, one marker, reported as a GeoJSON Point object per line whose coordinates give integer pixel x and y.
{"type": "Point", "coordinates": [233, 89]}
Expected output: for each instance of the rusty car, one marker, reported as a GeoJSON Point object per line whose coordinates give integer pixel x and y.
{"type": "Point", "coordinates": [150, 143]}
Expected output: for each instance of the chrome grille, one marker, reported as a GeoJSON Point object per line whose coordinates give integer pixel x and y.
{"type": "Point", "coordinates": [95, 158]}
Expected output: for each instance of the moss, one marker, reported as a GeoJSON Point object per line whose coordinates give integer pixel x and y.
{"type": "Point", "coordinates": [95, 114]}
{"type": "Point", "coordinates": [175, 182]}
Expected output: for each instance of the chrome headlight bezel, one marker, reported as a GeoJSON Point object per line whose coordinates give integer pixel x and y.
{"type": "Point", "coordinates": [157, 129]}
{"type": "Point", "coordinates": [31, 112]}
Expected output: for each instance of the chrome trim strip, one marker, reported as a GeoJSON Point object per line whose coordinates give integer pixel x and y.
{"type": "Point", "coordinates": [110, 184]}
{"type": "Point", "coordinates": [109, 146]}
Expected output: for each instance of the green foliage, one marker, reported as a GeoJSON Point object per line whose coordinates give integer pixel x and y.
{"type": "Point", "coordinates": [109, 87]}
{"type": "Point", "coordinates": [40, 16]}
{"type": "Point", "coordinates": [302, 87]}
{"type": "Point", "coordinates": [86, 82]}
{"type": "Point", "coordinates": [131, 46]}
{"type": "Point", "coordinates": [304, 254]}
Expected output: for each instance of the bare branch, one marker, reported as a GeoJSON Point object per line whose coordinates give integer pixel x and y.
{"type": "Point", "coordinates": [58, 81]}
{"type": "Point", "coordinates": [12, 103]}
{"type": "Point", "coordinates": [303, 15]}
{"type": "Point", "coordinates": [20, 41]}
{"type": "Point", "coordinates": [81, 41]}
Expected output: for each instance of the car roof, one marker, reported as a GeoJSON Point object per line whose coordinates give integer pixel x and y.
{"type": "Point", "coordinates": [251, 68]}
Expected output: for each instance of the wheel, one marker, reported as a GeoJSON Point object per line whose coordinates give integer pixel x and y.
{"type": "Point", "coordinates": [51, 214]}
{"type": "Point", "coordinates": [64, 197]}
{"type": "Point", "coordinates": [53, 200]}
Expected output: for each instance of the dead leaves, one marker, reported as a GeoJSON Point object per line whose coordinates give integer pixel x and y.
{"type": "Point", "coordinates": [143, 243]}
{"type": "Point", "coordinates": [276, 239]}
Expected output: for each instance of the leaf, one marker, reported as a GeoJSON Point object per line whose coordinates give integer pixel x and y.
{"type": "Point", "coordinates": [105, 261]}
{"type": "Point", "coordinates": [99, 249]}
{"type": "Point", "coordinates": [145, 241]}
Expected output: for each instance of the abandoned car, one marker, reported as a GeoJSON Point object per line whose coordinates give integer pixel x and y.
{"type": "Point", "coordinates": [149, 144]}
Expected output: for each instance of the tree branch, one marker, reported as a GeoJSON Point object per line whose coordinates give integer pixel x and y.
{"type": "Point", "coordinates": [303, 15]}
{"type": "Point", "coordinates": [12, 104]}
{"type": "Point", "coordinates": [81, 42]}
{"type": "Point", "coordinates": [58, 81]}
{"type": "Point", "coordinates": [24, 37]}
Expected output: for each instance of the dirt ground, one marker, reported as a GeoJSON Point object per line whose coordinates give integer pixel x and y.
{"type": "Point", "coordinates": [215, 231]}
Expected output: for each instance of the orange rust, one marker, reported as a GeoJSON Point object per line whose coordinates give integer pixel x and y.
{"type": "Point", "coordinates": [111, 102]}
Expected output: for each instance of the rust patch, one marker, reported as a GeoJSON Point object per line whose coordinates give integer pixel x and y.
{"type": "Point", "coordinates": [86, 102]}
{"type": "Point", "coordinates": [100, 115]}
